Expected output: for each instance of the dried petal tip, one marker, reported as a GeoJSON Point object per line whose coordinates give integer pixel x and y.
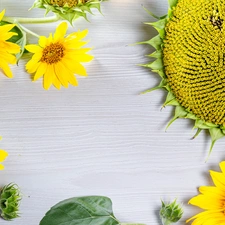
{"type": "Point", "coordinates": [9, 201]}
{"type": "Point", "coordinates": [170, 213]}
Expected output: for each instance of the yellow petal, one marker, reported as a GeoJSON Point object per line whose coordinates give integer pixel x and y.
{"type": "Point", "coordinates": [33, 48]}
{"type": "Point", "coordinates": [77, 35]}
{"type": "Point", "coordinates": [11, 47]}
{"type": "Point", "coordinates": [74, 67]}
{"type": "Point", "coordinates": [218, 179]}
{"type": "Point", "coordinates": [42, 41]}
{"type": "Point", "coordinates": [6, 68]}
{"type": "Point", "coordinates": [60, 31]}
{"type": "Point", "coordinates": [56, 83]}
{"type": "Point", "coordinates": [3, 155]}
{"type": "Point", "coordinates": [7, 57]}
{"type": "Point", "coordinates": [222, 167]}
{"type": "Point", "coordinates": [207, 202]}
{"type": "Point", "coordinates": [6, 28]}
{"type": "Point", "coordinates": [49, 76]}
{"type": "Point", "coordinates": [1, 167]}
{"type": "Point", "coordinates": [2, 14]}
{"type": "Point", "coordinates": [205, 214]}
{"type": "Point", "coordinates": [60, 71]}
{"type": "Point", "coordinates": [211, 191]}
{"type": "Point", "coordinates": [40, 71]}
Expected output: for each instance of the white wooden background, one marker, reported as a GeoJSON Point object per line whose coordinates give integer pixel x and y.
{"type": "Point", "coordinates": [101, 138]}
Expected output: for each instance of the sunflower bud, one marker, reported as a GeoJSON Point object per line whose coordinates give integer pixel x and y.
{"type": "Point", "coordinates": [9, 201]}
{"type": "Point", "coordinates": [68, 9]}
{"type": "Point", "coordinates": [170, 213]}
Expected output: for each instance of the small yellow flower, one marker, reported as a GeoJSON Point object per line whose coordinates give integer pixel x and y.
{"type": "Point", "coordinates": [211, 199]}
{"type": "Point", "coordinates": [7, 49]}
{"type": "Point", "coordinates": [58, 58]}
{"type": "Point", "coordinates": [3, 155]}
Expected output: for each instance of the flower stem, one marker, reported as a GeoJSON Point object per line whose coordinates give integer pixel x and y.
{"type": "Point", "coordinates": [29, 31]}
{"type": "Point", "coordinates": [31, 20]}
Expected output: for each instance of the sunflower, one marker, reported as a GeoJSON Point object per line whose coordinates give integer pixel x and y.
{"type": "Point", "coordinates": [7, 49]}
{"type": "Point", "coordinates": [190, 59]}
{"type": "Point", "coordinates": [3, 155]}
{"type": "Point", "coordinates": [58, 58]}
{"type": "Point", "coordinates": [68, 9]}
{"type": "Point", "coordinates": [212, 200]}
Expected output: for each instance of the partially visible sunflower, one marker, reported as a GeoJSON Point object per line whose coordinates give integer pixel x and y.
{"type": "Point", "coordinates": [190, 59]}
{"type": "Point", "coordinates": [7, 49]}
{"type": "Point", "coordinates": [211, 199]}
{"type": "Point", "coordinates": [58, 58]}
{"type": "Point", "coordinates": [3, 155]}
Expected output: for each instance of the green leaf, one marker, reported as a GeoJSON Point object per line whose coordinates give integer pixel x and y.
{"type": "Point", "coordinates": [81, 211]}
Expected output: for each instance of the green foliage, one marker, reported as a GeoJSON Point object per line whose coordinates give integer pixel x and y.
{"type": "Point", "coordinates": [9, 201]}
{"type": "Point", "coordinates": [94, 210]}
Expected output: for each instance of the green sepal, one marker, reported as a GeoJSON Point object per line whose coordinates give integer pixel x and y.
{"type": "Point", "coordinates": [180, 112]}
{"type": "Point", "coordinates": [172, 3]}
{"type": "Point", "coordinates": [159, 26]}
{"type": "Point", "coordinates": [157, 54]}
{"type": "Point", "coordinates": [191, 116]}
{"type": "Point", "coordinates": [153, 15]}
{"type": "Point", "coordinates": [171, 100]}
{"type": "Point", "coordinates": [197, 133]}
{"type": "Point", "coordinates": [156, 65]}
{"type": "Point", "coordinates": [160, 72]}
{"type": "Point", "coordinates": [155, 42]}
{"type": "Point", "coordinates": [204, 125]}
{"type": "Point", "coordinates": [215, 134]}
{"type": "Point", "coordinates": [162, 84]}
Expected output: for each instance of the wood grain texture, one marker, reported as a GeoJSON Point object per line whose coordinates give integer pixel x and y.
{"type": "Point", "coordinates": [101, 138]}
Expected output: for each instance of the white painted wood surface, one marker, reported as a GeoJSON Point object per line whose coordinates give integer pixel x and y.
{"type": "Point", "coordinates": [101, 138]}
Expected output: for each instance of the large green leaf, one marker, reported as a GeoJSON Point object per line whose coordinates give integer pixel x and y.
{"type": "Point", "coordinates": [90, 210]}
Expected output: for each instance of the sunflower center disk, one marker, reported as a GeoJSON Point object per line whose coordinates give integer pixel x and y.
{"type": "Point", "coordinates": [61, 3]}
{"type": "Point", "coordinates": [53, 53]}
{"type": "Point", "coordinates": [194, 57]}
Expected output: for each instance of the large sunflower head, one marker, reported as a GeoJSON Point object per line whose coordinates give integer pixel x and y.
{"type": "Point", "coordinates": [190, 58]}
{"type": "Point", "coordinates": [68, 9]}
{"type": "Point", "coordinates": [211, 199]}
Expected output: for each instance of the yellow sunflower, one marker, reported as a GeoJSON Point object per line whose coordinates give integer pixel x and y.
{"type": "Point", "coordinates": [7, 49]}
{"type": "Point", "coordinates": [211, 199]}
{"type": "Point", "coordinates": [57, 58]}
{"type": "Point", "coordinates": [3, 155]}
{"type": "Point", "coordinates": [190, 59]}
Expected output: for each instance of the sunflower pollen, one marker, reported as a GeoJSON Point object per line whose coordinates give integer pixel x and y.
{"type": "Point", "coordinates": [53, 53]}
